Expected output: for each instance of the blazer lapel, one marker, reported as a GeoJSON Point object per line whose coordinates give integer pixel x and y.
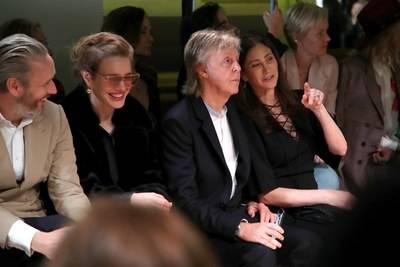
{"type": "Point", "coordinates": [7, 176]}
{"type": "Point", "coordinates": [239, 140]}
{"type": "Point", "coordinates": [374, 91]}
{"type": "Point", "coordinates": [207, 126]}
{"type": "Point", "coordinates": [36, 137]}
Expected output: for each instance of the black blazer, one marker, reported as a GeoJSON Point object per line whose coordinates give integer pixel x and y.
{"type": "Point", "coordinates": [197, 175]}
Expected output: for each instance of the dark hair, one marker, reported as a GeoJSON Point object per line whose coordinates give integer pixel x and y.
{"type": "Point", "coordinates": [202, 18]}
{"type": "Point", "coordinates": [24, 26]}
{"type": "Point", "coordinates": [250, 104]}
{"type": "Point", "coordinates": [18, 25]}
{"type": "Point", "coordinates": [118, 234]}
{"type": "Point", "coordinates": [125, 21]}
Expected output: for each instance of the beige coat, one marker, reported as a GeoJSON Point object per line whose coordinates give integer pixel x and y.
{"type": "Point", "coordinates": [49, 155]}
{"type": "Point", "coordinates": [323, 75]}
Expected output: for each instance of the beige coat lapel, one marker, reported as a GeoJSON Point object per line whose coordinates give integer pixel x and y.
{"type": "Point", "coordinates": [36, 137]}
{"type": "Point", "coordinates": [7, 177]}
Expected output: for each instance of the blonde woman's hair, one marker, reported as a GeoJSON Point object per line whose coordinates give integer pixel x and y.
{"type": "Point", "coordinates": [300, 18]}
{"type": "Point", "coordinates": [90, 50]}
{"type": "Point", "coordinates": [384, 47]}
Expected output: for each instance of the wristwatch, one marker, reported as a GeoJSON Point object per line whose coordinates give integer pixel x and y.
{"type": "Point", "coordinates": [237, 231]}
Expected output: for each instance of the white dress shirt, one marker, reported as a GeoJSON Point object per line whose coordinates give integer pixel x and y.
{"type": "Point", "coordinates": [221, 126]}
{"type": "Point", "coordinates": [21, 234]}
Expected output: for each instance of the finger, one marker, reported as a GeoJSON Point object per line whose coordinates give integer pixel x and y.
{"type": "Point", "coordinates": [275, 234]}
{"type": "Point", "coordinates": [276, 227]}
{"type": "Point", "coordinates": [307, 87]}
{"type": "Point", "coordinates": [374, 158]}
{"type": "Point", "coordinates": [270, 241]}
{"type": "Point", "coordinates": [304, 99]}
{"type": "Point", "coordinates": [311, 97]}
{"type": "Point", "coordinates": [251, 211]}
{"type": "Point", "coordinates": [273, 217]}
{"type": "Point", "coordinates": [266, 241]}
{"type": "Point", "coordinates": [263, 213]}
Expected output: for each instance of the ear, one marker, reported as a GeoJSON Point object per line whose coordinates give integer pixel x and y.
{"type": "Point", "coordinates": [87, 77]}
{"type": "Point", "coordinates": [202, 71]}
{"type": "Point", "coordinates": [14, 86]}
{"type": "Point", "coordinates": [296, 37]}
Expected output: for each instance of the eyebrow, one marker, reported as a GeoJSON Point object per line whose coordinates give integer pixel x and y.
{"type": "Point", "coordinates": [266, 55]}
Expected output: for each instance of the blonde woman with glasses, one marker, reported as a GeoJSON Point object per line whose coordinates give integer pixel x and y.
{"type": "Point", "coordinates": [114, 136]}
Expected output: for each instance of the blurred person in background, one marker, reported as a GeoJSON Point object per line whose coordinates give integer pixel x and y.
{"type": "Point", "coordinates": [34, 30]}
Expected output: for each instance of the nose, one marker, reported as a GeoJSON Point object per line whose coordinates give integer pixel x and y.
{"type": "Point", "coordinates": [52, 89]}
{"type": "Point", "coordinates": [327, 38]}
{"type": "Point", "coordinates": [265, 67]}
{"type": "Point", "coordinates": [151, 38]}
{"type": "Point", "coordinates": [236, 66]}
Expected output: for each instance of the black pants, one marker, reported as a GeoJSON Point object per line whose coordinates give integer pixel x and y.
{"type": "Point", "coordinates": [300, 248]}
{"type": "Point", "coordinates": [238, 253]}
{"type": "Point", "coordinates": [17, 258]}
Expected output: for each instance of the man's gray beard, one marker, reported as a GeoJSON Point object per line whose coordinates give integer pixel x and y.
{"type": "Point", "coordinates": [23, 112]}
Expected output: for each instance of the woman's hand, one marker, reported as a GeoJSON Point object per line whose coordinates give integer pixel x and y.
{"type": "Point", "coordinates": [151, 199]}
{"type": "Point", "coordinates": [265, 214]}
{"type": "Point", "coordinates": [312, 98]}
{"type": "Point", "coordinates": [273, 20]}
{"type": "Point", "coordinates": [382, 155]}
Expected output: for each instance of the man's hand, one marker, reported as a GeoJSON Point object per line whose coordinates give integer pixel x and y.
{"type": "Point", "coordinates": [47, 243]}
{"type": "Point", "coordinates": [151, 199]}
{"type": "Point", "coordinates": [266, 234]}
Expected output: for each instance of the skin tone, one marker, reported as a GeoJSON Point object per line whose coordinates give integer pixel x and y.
{"type": "Point", "coordinates": [260, 70]}
{"type": "Point", "coordinates": [312, 44]}
{"type": "Point", "coordinates": [105, 98]}
{"type": "Point", "coordinates": [27, 100]}
{"type": "Point", "coordinates": [219, 79]}
{"type": "Point", "coordinates": [144, 45]}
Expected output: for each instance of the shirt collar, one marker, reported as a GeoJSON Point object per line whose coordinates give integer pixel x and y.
{"type": "Point", "coordinates": [214, 113]}
{"type": "Point", "coordinates": [6, 123]}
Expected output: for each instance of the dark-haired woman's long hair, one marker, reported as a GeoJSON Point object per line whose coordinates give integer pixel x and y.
{"type": "Point", "coordinates": [251, 105]}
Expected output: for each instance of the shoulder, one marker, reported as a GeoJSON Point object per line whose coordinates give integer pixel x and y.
{"type": "Point", "coordinates": [180, 111]}
{"type": "Point", "coordinates": [328, 62]}
{"type": "Point", "coordinates": [135, 112]}
{"type": "Point", "coordinates": [51, 117]}
{"type": "Point", "coordinates": [288, 58]}
{"type": "Point", "coordinates": [51, 110]}
{"type": "Point", "coordinates": [354, 62]}
{"type": "Point", "coordinates": [74, 100]}
{"type": "Point", "coordinates": [77, 107]}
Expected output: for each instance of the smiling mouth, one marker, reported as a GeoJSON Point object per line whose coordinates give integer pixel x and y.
{"type": "Point", "coordinates": [269, 78]}
{"type": "Point", "coordinates": [116, 96]}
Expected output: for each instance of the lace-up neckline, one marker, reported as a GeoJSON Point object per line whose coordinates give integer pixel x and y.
{"type": "Point", "coordinates": [282, 118]}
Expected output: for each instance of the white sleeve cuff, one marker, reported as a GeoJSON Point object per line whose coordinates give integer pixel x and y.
{"type": "Point", "coordinates": [389, 143]}
{"type": "Point", "coordinates": [20, 236]}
